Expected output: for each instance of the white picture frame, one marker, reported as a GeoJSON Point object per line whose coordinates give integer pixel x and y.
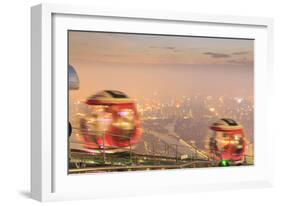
{"type": "Point", "coordinates": [49, 178]}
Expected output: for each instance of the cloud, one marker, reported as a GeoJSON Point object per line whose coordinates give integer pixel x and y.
{"type": "Point", "coordinates": [164, 47]}
{"type": "Point", "coordinates": [114, 55]}
{"type": "Point", "coordinates": [242, 61]}
{"type": "Point", "coordinates": [217, 55]}
{"type": "Point", "coordinates": [169, 47]}
{"type": "Point", "coordinates": [240, 53]}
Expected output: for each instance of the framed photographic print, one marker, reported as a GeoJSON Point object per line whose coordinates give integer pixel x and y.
{"type": "Point", "coordinates": [136, 102]}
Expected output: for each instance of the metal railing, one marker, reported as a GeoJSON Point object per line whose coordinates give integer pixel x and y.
{"type": "Point", "coordinates": [159, 149]}
{"type": "Point", "coordinates": [157, 152]}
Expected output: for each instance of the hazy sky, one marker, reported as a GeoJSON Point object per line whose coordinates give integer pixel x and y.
{"type": "Point", "coordinates": [172, 66]}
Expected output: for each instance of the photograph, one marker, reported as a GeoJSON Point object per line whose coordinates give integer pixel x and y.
{"type": "Point", "coordinates": [142, 102]}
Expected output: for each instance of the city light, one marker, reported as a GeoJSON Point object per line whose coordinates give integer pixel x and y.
{"type": "Point", "coordinates": [212, 109]}
{"type": "Point", "coordinates": [224, 163]}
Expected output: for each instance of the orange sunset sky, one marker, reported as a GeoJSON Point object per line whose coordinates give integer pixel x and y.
{"type": "Point", "coordinates": [172, 66]}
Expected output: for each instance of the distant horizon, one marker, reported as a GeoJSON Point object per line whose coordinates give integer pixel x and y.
{"type": "Point", "coordinates": [172, 66]}
{"type": "Point", "coordinates": [174, 81]}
